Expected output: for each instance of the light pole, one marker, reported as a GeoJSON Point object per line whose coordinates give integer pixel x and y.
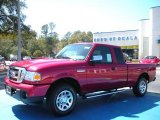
{"type": "Point", "coordinates": [19, 32]}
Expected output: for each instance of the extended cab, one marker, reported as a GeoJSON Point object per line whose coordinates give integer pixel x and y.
{"type": "Point", "coordinates": [78, 69]}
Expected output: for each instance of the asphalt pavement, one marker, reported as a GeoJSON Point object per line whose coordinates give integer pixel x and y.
{"type": "Point", "coordinates": [120, 106]}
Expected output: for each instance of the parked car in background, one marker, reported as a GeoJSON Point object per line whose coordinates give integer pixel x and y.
{"type": "Point", "coordinates": [150, 60]}
{"type": "Point", "coordinates": [2, 62]}
{"type": "Point", "coordinates": [26, 58]}
{"type": "Point", "coordinates": [13, 57]}
{"type": "Point", "coordinates": [1, 58]}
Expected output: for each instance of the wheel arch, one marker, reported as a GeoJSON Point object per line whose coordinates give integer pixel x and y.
{"type": "Point", "coordinates": [70, 81]}
{"type": "Point", "coordinates": [144, 75]}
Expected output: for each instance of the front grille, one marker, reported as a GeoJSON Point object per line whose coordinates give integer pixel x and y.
{"type": "Point", "coordinates": [16, 73]}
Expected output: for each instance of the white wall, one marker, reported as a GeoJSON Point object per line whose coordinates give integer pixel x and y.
{"type": "Point", "coordinates": [127, 38]}
{"type": "Point", "coordinates": [144, 31]}
{"type": "Point", "coordinates": [154, 48]}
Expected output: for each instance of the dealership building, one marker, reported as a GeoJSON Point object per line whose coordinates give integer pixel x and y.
{"type": "Point", "coordinates": [138, 43]}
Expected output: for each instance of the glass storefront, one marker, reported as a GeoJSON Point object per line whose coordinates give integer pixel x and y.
{"type": "Point", "coordinates": [132, 51]}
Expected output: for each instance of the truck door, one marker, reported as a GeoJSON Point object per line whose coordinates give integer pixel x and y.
{"type": "Point", "coordinates": [102, 73]}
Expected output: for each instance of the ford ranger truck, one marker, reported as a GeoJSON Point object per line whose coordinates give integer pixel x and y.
{"type": "Point", "coordinates": [81, 69]}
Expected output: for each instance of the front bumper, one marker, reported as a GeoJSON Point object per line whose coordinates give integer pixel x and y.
{"type": "Point", "coordinates": [25, 92]}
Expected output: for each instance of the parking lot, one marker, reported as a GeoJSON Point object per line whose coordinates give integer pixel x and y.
{"type": "Point", "coordinates": [120, 106]}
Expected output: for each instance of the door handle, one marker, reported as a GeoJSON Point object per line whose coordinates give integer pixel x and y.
{"type": "Point", "coordinates": [113, 68]}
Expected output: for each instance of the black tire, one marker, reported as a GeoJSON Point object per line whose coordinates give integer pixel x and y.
{"type": "Point", "coordinates": [61, 99]}
{"type": "Point", "coordinates": [140, 87]}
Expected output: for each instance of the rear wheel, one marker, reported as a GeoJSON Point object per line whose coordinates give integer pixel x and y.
{"type": "Point", "coordinates": [61, 100]}
{"type": "Point", "coordinates": [140, 88]}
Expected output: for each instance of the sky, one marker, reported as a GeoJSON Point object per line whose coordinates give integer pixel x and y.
{"type": "Point", "coordinates": [87, 15]}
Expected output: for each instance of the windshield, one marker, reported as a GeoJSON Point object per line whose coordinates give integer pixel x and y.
{"type": "Point", "coordinates": [74, 51]}
{"type": "Point", "coordinates": [150, 57]}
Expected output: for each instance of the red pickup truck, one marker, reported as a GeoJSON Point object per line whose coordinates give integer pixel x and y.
{"type": "Point", "coordinates": [81, 69]}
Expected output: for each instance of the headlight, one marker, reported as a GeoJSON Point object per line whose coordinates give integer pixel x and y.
{"type": "Point", "coordinates": [32, 76]}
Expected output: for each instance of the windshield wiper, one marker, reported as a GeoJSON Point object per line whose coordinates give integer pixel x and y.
{"type": "Point", "coordinates": [64, 57]}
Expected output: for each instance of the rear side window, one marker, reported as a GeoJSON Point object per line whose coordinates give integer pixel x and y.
{"type": "Point", "coordinates": [119, 55]}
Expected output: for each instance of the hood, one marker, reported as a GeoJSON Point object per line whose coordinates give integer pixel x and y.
{"type": "Point", "coordinates": [37, 64]}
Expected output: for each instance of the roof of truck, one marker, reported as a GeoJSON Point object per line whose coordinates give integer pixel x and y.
{"type": "Point", "coordinates": [96, 44]}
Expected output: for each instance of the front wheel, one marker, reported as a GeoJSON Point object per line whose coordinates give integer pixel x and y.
{"type": "Point", "coordinates": [61, 100]}
{"type": "Point", "coordinates": [140, 87]}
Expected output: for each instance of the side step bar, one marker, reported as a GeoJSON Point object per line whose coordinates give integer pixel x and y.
{"type": "Point", "coordinates": [103, 93]}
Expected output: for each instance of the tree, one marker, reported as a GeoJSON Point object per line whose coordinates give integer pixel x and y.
{"type": "Point", "coordinates": [79, 36]}
{"type": "Point", "coordinates": [61, 44]}
{"type": "Point", "coordinates": [48, 27]}
{"type": "Point", "coordinates": [32, 47]}
{"type": "Point", "coordinates": [9, 16]}
{"type": "Point", "coordinates": [45, 29]}
{"type": "Point", "coordinates": [51, 27]}
{"type": "Point", "coordinates": [30, 44]}
{"type": "Point", "coordinates": [7, 42]}
{"type": "Point", "coordinates": [51, 38]}
{"type": "Point", "coordinates": [37, 53]}
{"type": "Point", "coordinates": [51, 44]}
{"type": "Point", "coordinates": [64, 41]}
{"type": "Point", "coordinates": [67, 36]}
{"type": "Point", "coordinates": [26, 37]}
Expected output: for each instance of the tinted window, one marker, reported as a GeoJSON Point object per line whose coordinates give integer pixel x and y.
{"type": "Point", "coordinates": [119, 55]}
{"type": "Point", "coordinates": [150, 57]}
{"type": "Point", "coordinates": [101, 54]}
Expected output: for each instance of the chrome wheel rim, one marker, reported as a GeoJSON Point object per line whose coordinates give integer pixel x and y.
{"type": "Point", "coordinates": [142, 87]}
{"type": "Point", "coordinates": [64, 100]}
